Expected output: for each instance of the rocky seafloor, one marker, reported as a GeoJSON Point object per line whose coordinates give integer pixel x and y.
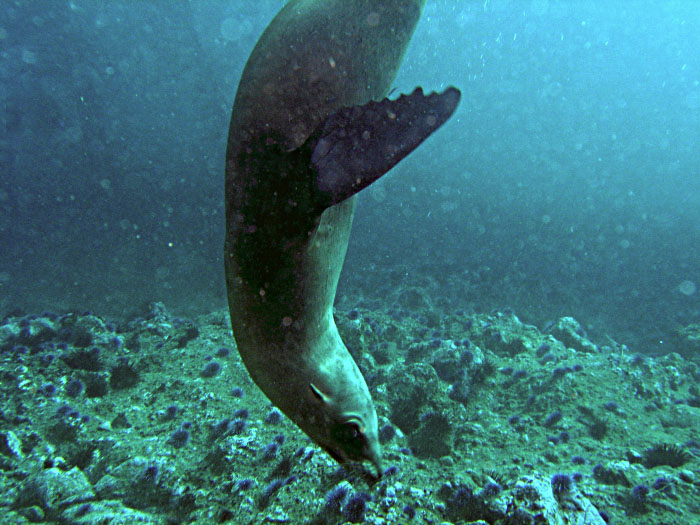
{"type": "Point", "coordinates": [483, 419]}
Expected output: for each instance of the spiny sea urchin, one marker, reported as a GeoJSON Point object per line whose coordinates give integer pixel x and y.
{"type": "Point", "coordinates": [666, 454]}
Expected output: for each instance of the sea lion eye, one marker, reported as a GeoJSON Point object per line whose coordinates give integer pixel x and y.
{"type": "Point", "coordinates": [348, 434]}
{"type": "Point", "coordinates": [353, 430]}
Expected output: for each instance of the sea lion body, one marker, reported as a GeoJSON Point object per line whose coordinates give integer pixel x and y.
{"type": "Point", "coordinates": [290, 202]}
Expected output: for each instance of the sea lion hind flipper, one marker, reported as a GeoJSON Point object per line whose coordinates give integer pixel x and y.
{"type": "Point", "coordinates": [356, 145]}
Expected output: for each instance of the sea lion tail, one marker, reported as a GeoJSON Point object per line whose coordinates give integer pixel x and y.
{"type": "Point", "coordinates": [356, 145]}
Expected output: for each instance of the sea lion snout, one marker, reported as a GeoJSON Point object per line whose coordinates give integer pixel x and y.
{"type": "Point", "coordinates": [356, 442]}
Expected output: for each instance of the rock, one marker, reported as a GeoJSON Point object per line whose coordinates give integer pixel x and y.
{"type": "Point", "coordinates": [109, 487]}
{"type": "Point", "coordinates": [687, 340]}
{"type": "Point", "coordinates": [34, 514]}
{"type": "Point", "coordinates": [10, 445]}
{"type": "Point", "coordinates": [687, 475]}
{"type": "Point", "coordinates": [434, 438]}
{"type": "Point", "coordinates": [447, 461]}
{"type": "Point", "coordinates": [613, 473]}
{"type": "Point", "coordinates": [134, 482]}
{"type": "Point", "coordinates": [535, 494]}
{"type": "Point", "coordinates": [108, 512]}
{"type": "Point", "coordinates": [414, 299]}
{"type": "Point", "coordinates": [505, 335]}
{"type": "Point", "coordinates": [634, 456]}
{"type": "Point", "coordinates": [413, 388]}
{"type": "Point", "coordinates": [512, 340]}
{"type": "Point", "coordinates": [447, 365]}
{"type": "Point", "coordinates": [571, 333]}
{"type": "Point", "coordinates": [86, 330]}
{"type": "Point", "coordinates": [53, 489]}
{"type": "Point", "coordinates": [8, 333]}
{"type": "Point", "coordinates": [37, 331]}
{"type": "Point", "coordinates": [277, 516]}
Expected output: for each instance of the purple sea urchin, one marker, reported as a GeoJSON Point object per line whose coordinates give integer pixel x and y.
{"type": "Point", "coordinates": [663, 484]}
{"type": "Point", "coordinates": [170, 412]}
{"type": "Point", "coordinates": [273, 417]}
{"type": "Point", "coordinates": [74, 388]}
{"type": "Point", "coordinates": [553, 418]}
{"type": "Point", "coordinates": [211, 369]}
{"type": "Point", "coordinates": [639, 495]}
{"type": "Point", "coordinates": [490, 490]}
{"type": "Point", "coordinates": [270, 451]}
{"type": "Point", "coordinates": [179, 438]}
{"type": "Point", "coordinates": [269, 491]}
{"type": "Point", "coordinates": [519, 374]}
{"type": "Point", "coordinates": [241, 413]}
{"type": "Point", "coordinates": [222, 352]}
{"type": "Point", "coordinates": [561, 485]}
{"type": "Point", "coordinates": [355, 509]}
{"type": "Point", "coordinates": [48, 390]}
{"type": "Point", "coordinates": [409, 512]}
{"type": "Point", "coordinates": [237, 392]}
{"type": "Point", "coordinates": [335, 498]}
{"type": "Point", "coordinates": [393, 470]}
{"type": "Point", "coordinates": [236, 427]}
{"type": "Point", "coordinates": [386, 433]}
{"type": "Point", "coordinates": [244, 484]}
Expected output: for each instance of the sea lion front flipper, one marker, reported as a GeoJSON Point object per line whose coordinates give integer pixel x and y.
{"type": "Point", "coordinates": [356, 145]}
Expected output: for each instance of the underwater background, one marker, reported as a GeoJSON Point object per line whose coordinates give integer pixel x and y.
{"type": "Point", "coordinates": [546, 241]}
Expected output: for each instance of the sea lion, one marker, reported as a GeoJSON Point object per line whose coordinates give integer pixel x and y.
{"type": "Point", "coordinates": [309, 129]}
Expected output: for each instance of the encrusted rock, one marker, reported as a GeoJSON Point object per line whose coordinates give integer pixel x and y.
{"type": "Point", "coordinates": [535, 494]}
{"type": "Point", "coordinates": [434, 437]}
{"type": "Point", "coordinates": [134, 481]}
{"type": "Point", "coordinates": [413, 387]}
{"type": "Point", "coordinates": [571, 333]}
{"type": "Point", "coordinates": [613, 473]}
{"type": "Point", "coordinates": [688, 340]}
{"type": "Point", "coordinates": [53, 490]}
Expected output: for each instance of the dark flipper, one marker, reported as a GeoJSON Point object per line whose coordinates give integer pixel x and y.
{"type": "Point", "coordinates": [355, 146]}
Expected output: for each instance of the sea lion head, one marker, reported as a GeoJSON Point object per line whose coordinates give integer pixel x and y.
{"type": "Point", "coordinates": [325, 394]}
{"type": "Point", "coordinates": [309, 374]}
{"type": "Point", "coordinates": [343, 420]}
